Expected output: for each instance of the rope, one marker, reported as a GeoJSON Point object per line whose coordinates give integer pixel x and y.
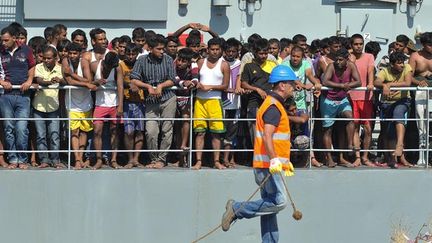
{"type": "Point", "coordinates": [289, 195]}
{"type": "Point", "coordinates": [241, 206]}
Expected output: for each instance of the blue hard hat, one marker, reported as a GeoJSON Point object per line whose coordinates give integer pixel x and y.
{"type": "Point", "coordinates": [282, 73]}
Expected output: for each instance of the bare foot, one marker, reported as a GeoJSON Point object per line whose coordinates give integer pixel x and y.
{"type": "Point", "coordinates": [78, 165]}
{"type": "Point", "coordinates": [357, 162]}
{"type": "Point", "coordinates": [138, 164]}
{"type": "Point", "coordinates": [33, 160]}
{"type": "Point", "coordinates": [368, 163]}
{"type": "Point", "coordinates": [129, 165]}
{"type": "Point", "coordinates": [43, 165]}
{"type": "Point", "coordinates": [218, 165]}
{"type": "Point", "coordinates": [115, 165]}
{"type": "Point", "coordinates": [230, 165]}
{"type": "Point", "coordinates": [405, 162]}
{"type": "Point", "coordinates": [59, 165]}
{"type": "Point", "coordinates": [399, 150]}
{"type": "Point", "coordinates": [86, 164]}
{"type": "Point", "coordinates": [23, 166]}
{"type": "Point", "coordinates": [158, 165]}
{"type": "Point", "coordinates": [3, 163]}
{"type": "Point", "coordinates": [98, 164]}
{"type": "Point", "coordinates": [12, 166]}
{"type": "Point", "coordinates": [342, 160]}
{"type": "Point", "coordinates": [175, 164]}
{"type": "Point", "coordinates": [150, 165]}
{"type": "Point", "coordinates": [197, 165]}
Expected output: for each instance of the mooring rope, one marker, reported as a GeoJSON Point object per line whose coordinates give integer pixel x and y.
{"type": "Point", "coordinates": [241, 206]}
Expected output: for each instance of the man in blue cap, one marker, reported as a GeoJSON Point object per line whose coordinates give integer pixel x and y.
{"type": "Point", "coordinates": [271, 157]}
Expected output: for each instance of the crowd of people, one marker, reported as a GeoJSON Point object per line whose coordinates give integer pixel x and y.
{"type": "Point", "coordinates": [131, 88]}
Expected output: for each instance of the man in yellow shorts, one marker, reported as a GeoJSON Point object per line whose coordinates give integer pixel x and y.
{"type": "Point", "coordinates": [214, 79]}
{"type": "Point", "coordinates": [80, 102]}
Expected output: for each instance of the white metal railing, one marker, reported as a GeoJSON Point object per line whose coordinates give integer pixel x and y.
{"type": "Point", "coordinates": [191, 150]}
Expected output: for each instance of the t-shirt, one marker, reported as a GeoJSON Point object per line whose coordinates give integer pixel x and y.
{"type": "Point", "coordinates": [257, 76]}
{"type": "Point", "coordinates": [300, 72]}
{"type": "Point", "coordinates": [231, 101]}
{"type": "Point", "coordinates": [46, 100]}
{"type": "Point", "coordinates": [129, 96]}
{"type": "Point", "coordinates": [388, 77]}
{"type": "Point", "coordinates": [16, 65]}
{"type": "Point", "coordinates": [363, 64]}
{"type": "Point", "coordinates": [272, 115]}
{"type": "Point", "coordinates": [248, 58]}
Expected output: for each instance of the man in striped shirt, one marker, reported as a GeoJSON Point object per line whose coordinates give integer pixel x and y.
{"type": "Point", "coordinates": [155, 74]}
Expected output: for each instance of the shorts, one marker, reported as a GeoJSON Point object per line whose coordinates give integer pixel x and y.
{"type": "Point", "coordinates": [83, 125]}
{"type": "Point", "coordinates": [136, 111]}
{"type": "Point", "coordinates": [333, 108]}
{"type": "Point", "coordinates": [362, 109]}
{"type": "Point", "coordinates": [183, 105]}
{"type": "Point", "coordinates": [101, 112]}
{"type": "Point", "coordinates": [208, 109]}
{"type": "Point", "coordinates": [398, 110]}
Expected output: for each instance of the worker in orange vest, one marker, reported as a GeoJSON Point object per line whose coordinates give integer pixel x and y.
{"type": "Point", "coordinates": [271, 158]}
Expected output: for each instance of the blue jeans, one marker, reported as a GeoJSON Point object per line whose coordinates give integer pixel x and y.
{"type": "Point", "coordinates": [273, 199]}
{"type": "Point", "coordinates": [52, 137]}
{"type": "Point", "coordinates": [15, 131]}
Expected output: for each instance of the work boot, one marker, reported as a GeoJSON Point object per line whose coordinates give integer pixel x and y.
{"type": "Point", "coordinates": [229, 216]}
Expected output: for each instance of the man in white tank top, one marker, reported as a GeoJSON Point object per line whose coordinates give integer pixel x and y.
{"type": "Point", "coordinates": [99, 43]}
{"type": "Point", "coordinates": [108, 103]}
{"type": "Point", "coordinates": [80, 102]}
{"type": "Point", "coordinates": [214, 79]}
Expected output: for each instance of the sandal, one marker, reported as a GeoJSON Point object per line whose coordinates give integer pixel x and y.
{"type": "Point", "coordinates": [346, 164]}
{"type": "Point", "coordinates": [315, 163]}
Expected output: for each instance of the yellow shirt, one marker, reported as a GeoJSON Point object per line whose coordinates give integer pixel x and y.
{"type": "Point", "coordinates": [130, 96]}
{"type": "Point", "coordinates": [46, 100]}
{"type": "Point", "coordinates": [388, 77]}
{"type": "Point", "coordinates": [268, 66]}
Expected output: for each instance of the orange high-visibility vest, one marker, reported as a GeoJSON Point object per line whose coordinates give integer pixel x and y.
{"type": "Point", "coordinates": [281, 136]}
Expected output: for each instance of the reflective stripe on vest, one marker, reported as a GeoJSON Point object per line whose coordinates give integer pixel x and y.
{"type": "Point", "coordinates": [263, 161]}
{"type": "Point", "coordinates": [275, 136]}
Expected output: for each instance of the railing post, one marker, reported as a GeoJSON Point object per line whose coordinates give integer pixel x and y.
{"type": "Point", "coordinates": [310, 125]}
{"type": "Point", "coordinates": [69, 130]}
{"type": "Point", "coordinates": [190, 130]}
{"type": "Point", "coordinates": [427, 128]}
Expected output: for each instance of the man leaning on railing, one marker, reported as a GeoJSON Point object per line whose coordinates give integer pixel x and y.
{"type": "Point", "coordinates": [18, 63]}
{"type": "Point", "coordinates": [394, 104]}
